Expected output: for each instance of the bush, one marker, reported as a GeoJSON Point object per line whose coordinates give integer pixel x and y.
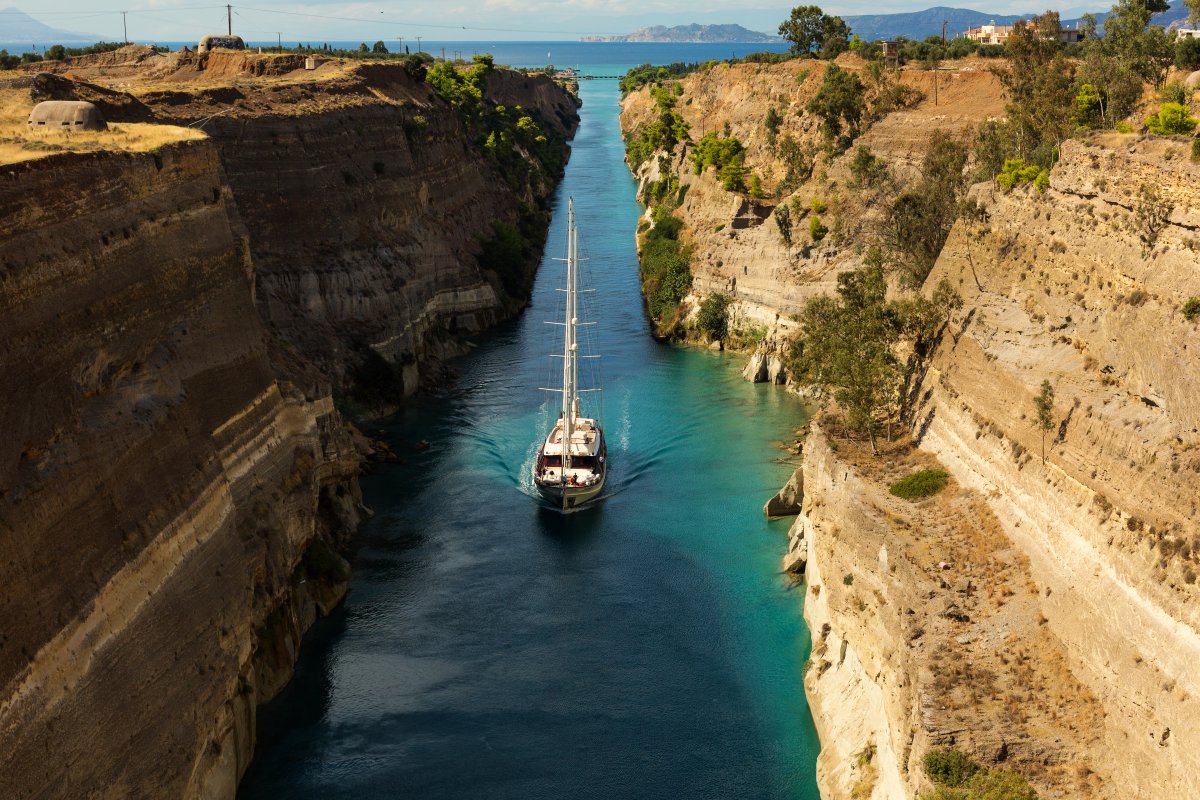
{"type": "Point", "coordinates": [756, 189]}
{"type": "Point", "coordinates": [1196, 146]}
{"type": "Point", "coordinates": [726, 154]}
{"type": "Point", "coordinates": [816, 229]}
{"type": "Point", "coordinates": [1016, 172]}
{"type": "Point", "coordinates": [783, 219]}
{"type": "Point", "coordinates": [946, 766]}
{"type": "Point", "coordinates": [1171, 119]}
{"type": "Point", "coordinates": [1191, 309]}
{"type": "Point", "coordinates": [666, 266]}
{"type": "Point", "coordinates": [840, 103]}
{"type": "Point", "coordinates": [867, 168]}
{"type": "Point", "coordinates": [1187, 53]}
{"type": "Point", "coordinates": [921, 484]}
{"type": "Point", "coordinates": [713, 317]}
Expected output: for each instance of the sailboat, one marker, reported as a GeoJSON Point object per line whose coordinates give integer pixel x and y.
{"type": "Point", "coordinates": [570, 467]}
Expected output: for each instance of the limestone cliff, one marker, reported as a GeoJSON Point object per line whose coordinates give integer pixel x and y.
{"type": "Point", "coordinates": [1059, 638]}
{"type": "Point", "coordinates": [366, 203]}
{"type": "Point", "coordinates": [1041, 617]}
{"type": "Point", "coordinates": [176, 484]}
{"type": "Point", "coordinates": [737, 248]}
{"type": "Point", "coordinates": [927, 632]}
{"type": "Point", "coordinates": [161, 486]}
{"type": "Point", "coordinates": [1083, 287]}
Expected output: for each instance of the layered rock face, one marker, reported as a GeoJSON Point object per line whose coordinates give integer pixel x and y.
{"type": "Point", "coordinates": [366, 212]}
{"type": "Point", "coordinates": [1083, 287]}
{"type": "Point", "coordinates": [161, 486]}
{"type": "Point", "coordinates": [737, 248]}
{"type": "Point", "coordinates": [175, 481]}
{"type": "Point", "coordinates": [927, 632]}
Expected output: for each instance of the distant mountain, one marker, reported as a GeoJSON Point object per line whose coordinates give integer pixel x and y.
{"type": "Point", "coordinates": [919, 24]}
{"type": "Point", "coordinates": [690, 33]}
{"type": "Point", "coordinates": [17, 26]}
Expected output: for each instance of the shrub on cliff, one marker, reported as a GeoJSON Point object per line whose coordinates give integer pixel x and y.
{"type": "Point", "coordinates": [713, 317]}
{"type": "Point", "coordinates": [920, 484]}
{"type": "Point", "coordinates": [724, 153]}
{"type": "Point", "coordinates": [816, 228]}
{"type": "Point", "coordinates": [917, 223]}
{"type": "Point", "coordinates": [958, 777]}
{"type": "Point", "coordinates": [1171, 119]}
{"type": "Point", "coordinates": [665, 265]}
{"type": "Point", "coordinates": [1191, 309]}
{"type": "Point", "coordinates": [840, 103]}
{"type": "Point", "coordinates": [868, 169]}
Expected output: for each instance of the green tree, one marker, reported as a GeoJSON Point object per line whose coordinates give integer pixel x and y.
{"type": "Point", "coordinates": [918, 221]}
{"type": "Point", "coordinates": [868, 169]}
{"type": "Point", "coordinates": [816, 228]}
{"type": "Point", "coordinates": [1171, 119]}
{"type": "Point", "coordinates": [713, 316]}
{"type": "Point", "coordinates": [783, 220]}
{"type": "Point", "coordinates": [756, 189]}
{"type": "Point", "coordinates": [848, 348]}
{"type": "Point", "coordinates": [379, 47]}
{"type": "Point", "coordinates": [810, 30]}
{"type": "Point", "coordinates": [1187, 51]}
{"type": "Point", "coordinates": [1039, 83]}
{"type": "Point", "coordinates": [840, 104]}
{"type": "Point", "coordinates": [1043, 404]}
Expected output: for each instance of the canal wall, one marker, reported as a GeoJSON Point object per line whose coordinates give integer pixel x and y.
{"type": "Point", "coordinates": [1088, 585]}
{"type": "Point", "coordinates": [177, 484]}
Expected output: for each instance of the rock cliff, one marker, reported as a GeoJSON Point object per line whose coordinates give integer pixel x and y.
{"type": "Point", "coordinates": [176, 484]}
{"type": "Point", "coordinates": [1040, 617]}
{"type": "Point", "coordinates": [736, 244]}
{"type": "Point", "coordinates": [161, 486]}
{"type": "Point", "coordinates": [1083, 287]}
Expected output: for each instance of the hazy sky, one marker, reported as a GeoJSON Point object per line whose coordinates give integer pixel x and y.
{"type": "Point", "coordinates": [176, 20]}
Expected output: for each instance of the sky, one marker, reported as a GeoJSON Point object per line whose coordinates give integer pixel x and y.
{"type": "Point", "coordinates": [481, 20]}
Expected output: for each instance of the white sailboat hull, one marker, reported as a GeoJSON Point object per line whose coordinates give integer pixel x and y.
{"type": "Point", "coordinates": [569, 498]}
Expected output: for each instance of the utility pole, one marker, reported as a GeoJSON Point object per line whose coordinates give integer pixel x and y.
{"type": "Point", "coordinates": [124, 26]}
{"type": "Point", "coordinates": [944, 22]}
{"type": "Point", "coordinates": [401, 40]}
{"type": "Point", "coordinates": [279, 40]}
{"type": "Point", "coordinates": [443, 55]}
{"type": "Point", "coordinates": [229, 18]}
{"type": "Point", "coordinates": [418, 44]}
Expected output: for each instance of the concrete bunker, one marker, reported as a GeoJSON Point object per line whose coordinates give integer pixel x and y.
{"type": "Point", "coordinates": [220, 42]}
{"type": "Point", "coordinates": [71, 115]}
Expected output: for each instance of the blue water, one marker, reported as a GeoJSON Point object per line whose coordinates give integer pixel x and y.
{"type": "Point", "coordinates": [647, 647]}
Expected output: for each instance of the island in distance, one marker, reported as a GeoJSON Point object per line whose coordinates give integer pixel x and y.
{"type": "Point", "coordinates": [689, 33]}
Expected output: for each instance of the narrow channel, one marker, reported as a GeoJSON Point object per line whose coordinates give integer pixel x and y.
{"type": "Point", "coordinates": [645, 648]}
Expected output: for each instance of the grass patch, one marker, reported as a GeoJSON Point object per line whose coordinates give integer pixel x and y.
{"type": "Point", "coordinates": [920, 484]}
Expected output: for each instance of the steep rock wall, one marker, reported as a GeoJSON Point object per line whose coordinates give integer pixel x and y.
{"type": "Point", "coordinates": [367, 210]}
{"type": "Point", "coordinates": [1060, 287]}
{"type": "Point", "coordinates": [926, 633]}
{"type": "Point", "coordinates": [737, 248]}
{"type": "Point", "coordinates": [160, 486]}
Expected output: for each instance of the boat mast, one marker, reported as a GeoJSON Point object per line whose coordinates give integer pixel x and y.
{"type": "Point", "coordinates": [569, 344]}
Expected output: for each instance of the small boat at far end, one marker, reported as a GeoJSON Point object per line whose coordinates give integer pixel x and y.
{"type": "Point", "coordinates": [571, 464]}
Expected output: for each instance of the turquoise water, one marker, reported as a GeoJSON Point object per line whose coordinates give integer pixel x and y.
{"type": "Point", "coordinates": [647, 647]}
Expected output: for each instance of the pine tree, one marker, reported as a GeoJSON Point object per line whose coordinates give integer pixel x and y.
{"type": "Point", "coordinates": [1044, 404]}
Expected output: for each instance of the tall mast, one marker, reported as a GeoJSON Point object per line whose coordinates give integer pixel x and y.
{"type": "Point", "coordinates": [569, 343]}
